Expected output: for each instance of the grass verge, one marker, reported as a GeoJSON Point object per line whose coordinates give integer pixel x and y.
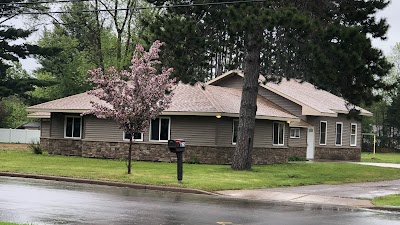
{"type": "Point", "coordinates": [7, 223]}
{"type": "Point", "coordinates": [380, 157]}
{"type": "Point", "coordinates": [200, 176]}
{"type": "Point", "coordinates": [389, 200]}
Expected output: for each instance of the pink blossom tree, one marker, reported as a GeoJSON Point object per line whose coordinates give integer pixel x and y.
{"type": "Point", "coordinates": [135, 97]}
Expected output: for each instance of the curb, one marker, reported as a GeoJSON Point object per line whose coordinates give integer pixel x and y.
{"type": "Point", "coordinates": [386, 208]}
{"type": "Point", "coordinates": [311, 206]}
{"type": "Point", "coordinates": [108, 183]}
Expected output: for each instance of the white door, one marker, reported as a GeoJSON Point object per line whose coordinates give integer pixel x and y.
{"type": "Point", "coordinates": [310, 143]}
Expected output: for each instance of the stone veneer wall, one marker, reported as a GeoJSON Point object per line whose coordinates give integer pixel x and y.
{"type": "Point", "coordinates": [347, 154]}
{"type": "Point", "coordinates": [300, 152]}
{"type": "Point", "coordinates": [157, 152]}
{"type": "Point", "coordinates": [200, 154]}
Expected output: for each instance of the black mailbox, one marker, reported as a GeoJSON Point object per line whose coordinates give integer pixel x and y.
{"type": "Point", "coordinates": [176, 145]}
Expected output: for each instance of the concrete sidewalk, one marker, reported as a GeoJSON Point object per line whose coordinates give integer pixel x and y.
{"type": "Point", "coordinates": [350, 195]}
{"type": "Point", "coordinates": [388, 165]}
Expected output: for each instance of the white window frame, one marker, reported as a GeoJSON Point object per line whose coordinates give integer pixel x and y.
{"type": "Point", "coordinates": [65, 128]}
{"type": "Point", "coordinates": [159, 129]}
{"type": "Point", "coordinates": [273, 135]}
{"type": "Point", "coordinates": [355, 135]}
{"type": "Point", "coordinates": [341, 134]}
{"type": "Point", "coordinates": [233, 130]}
{"type": "Point", "coordinates": [123, 137]}
{"type": "Point", "coordinates": [326, 132]}
{"type": "Point", "coordinates": [294, 128]}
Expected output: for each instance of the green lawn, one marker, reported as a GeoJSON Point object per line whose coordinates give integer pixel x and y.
{"type": "Point", "coordinates": [206, 177]}
{"type": "Point", "coordinates": [389, 200]}
{"type": "Point", "coordinates": [381, 157]}
{"type": "Point", "coordinates": [7, 223]}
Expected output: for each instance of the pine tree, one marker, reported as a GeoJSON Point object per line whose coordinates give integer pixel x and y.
{"type": "Point", "coordinates": [324, 42]}
{"type": "Point", "coordinates": [13, 52]}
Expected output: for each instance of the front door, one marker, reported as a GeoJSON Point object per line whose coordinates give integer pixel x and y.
{"type": "Point", "coordinates": [310, 143]}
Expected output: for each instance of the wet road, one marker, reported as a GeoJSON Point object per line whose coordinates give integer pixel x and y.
{"type": "Point", "coordinates": [51, 202]}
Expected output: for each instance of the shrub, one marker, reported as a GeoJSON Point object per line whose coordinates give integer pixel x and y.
{"type": "Point", "coordinates": [35, 147]}
{"type": "Point", "coordinates": [296, 158]}
{"type": "Point", "coordinates": [193, 161]}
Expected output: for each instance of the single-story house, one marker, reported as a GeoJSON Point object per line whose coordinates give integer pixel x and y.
{"type": "Point", "coordinates": [293, 119]}
{"type": "Point", "coordinates": [30, 126]}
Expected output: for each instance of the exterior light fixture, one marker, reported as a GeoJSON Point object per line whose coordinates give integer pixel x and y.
{"type": "Point", "coordinates": [288, 121]}
{"type": "Point", "coordinates": [218, 116]}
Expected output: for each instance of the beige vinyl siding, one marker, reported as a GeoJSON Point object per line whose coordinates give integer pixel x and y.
{"type": "Point", "coordinates": [230, 82]}
{"type": "Point", "coordinates": [57, 125]}
{"type": "Point", "coordinates": [195, 130]}
{"type": "Point", "coordinates": [288, 105]}
{"type": "Point", "coordinates": [262, 133]}
{"type": "Point", "coordinates": [224, 131]}
{"type": "Point", "coordinates": [102, 129]}
{"type": "Point", "coordinates": [237, 83]}
{"type": "Point", "coordinates": [45, 128]}
{"type": "Point", "coordinates": [298, 142]}
{"type": "Point", "coordinates": [331, 130]}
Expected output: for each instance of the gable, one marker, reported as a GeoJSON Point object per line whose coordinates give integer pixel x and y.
{"type": "Point", "coordinates": [312, 101]}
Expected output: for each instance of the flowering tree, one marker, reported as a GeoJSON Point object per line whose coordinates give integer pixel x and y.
{"type": "Point", "coordinates": [134, 97]}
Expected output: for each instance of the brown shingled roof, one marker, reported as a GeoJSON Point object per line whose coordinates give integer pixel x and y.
{"type": "Point", "coordinates": [200, 99]}
{"type": "Point", "coordinates": [304, 94]}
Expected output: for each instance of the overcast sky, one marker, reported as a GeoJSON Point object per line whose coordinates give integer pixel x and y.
{"type": "Point", "coordinates": [391, 13]}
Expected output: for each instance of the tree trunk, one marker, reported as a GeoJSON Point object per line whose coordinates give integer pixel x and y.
{"type": "Point", "coordinates": [119, 48]}
{"type": "Point", "coordinates": [98, 38]}
{"type": "Point", "coordinates": [248, 106]}
{"type": "Point", "coordinates": [130, 155]}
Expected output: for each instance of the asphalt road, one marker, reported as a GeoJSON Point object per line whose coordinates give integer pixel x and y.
{"type": "Point", "coordinates": [50, 202]}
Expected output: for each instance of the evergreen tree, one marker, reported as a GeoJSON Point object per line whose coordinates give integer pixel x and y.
{"type": "Point", "coordinates": [11, 52]}
{"type": "Point", "coordinates": [325, 42]}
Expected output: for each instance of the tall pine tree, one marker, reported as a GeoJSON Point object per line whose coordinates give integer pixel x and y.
{"type": "Point", "coordinates": [322, 41]}
{"type": "Point", "coordinates": [9, 51]}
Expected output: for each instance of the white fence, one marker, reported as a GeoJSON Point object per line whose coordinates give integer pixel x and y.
{"type": "Point", "coordinates": [19, 136]}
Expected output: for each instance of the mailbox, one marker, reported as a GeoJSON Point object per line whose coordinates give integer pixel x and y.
{"type": "Point", "coordinates": [176, 145]}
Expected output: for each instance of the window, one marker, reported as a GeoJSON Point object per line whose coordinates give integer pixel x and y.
{"type": "Point", "coordinates": [73, 126]}
{"type": "Point", "coordinates": [339, 131]}
{"type": "Point", "coordinates": [323, 129]}
{"type": "Point", "coordinates": [353, 134]}
{"type": "Point", "coordinates": [294, 132]}
{"type": "Point", "coordinates": [234, 131]}
{"type": "Point", "coordinates": [278, 133]}
{"type": "Point", "coordinates": [136, 136]}
{"type": "Point", "coordinates": [160, 129]}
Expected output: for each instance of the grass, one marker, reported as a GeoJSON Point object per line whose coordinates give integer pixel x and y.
{"type": "Point", "coordinates": [381, 157]}
{"type": "Point", "coordinates": [389, 200]}
{"type": "Point", "coordinates": [206, 177]}
{"type": "Point", "coordinates": [7, 223]}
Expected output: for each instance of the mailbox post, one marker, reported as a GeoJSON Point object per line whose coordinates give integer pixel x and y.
{"type": "Point", "coordinates": [178, 147]}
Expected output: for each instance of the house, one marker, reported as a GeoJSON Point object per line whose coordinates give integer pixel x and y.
{"type": "Point", "coordinates": [30, 126]}
{"type": "Point", "coordinates": [292, 119]}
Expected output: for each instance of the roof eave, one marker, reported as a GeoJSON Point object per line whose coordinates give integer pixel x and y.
{"type": "Point", "coordinates": [308, 111]}
{"type": "Point", "coordinates": [58, 110]}
{"type": "Point", "coordinates": [224, 114]}
{"type": "Point", "coordinates": [39, 116]}
{"type": "Point", "coordinates": [362, 112]}
{"type": "Point", "coordinates": [222, 76]}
